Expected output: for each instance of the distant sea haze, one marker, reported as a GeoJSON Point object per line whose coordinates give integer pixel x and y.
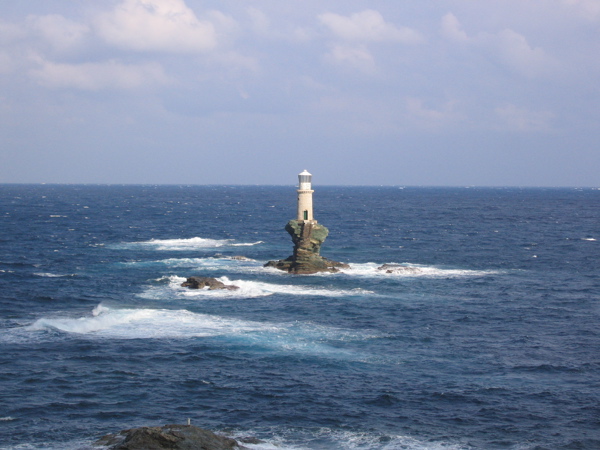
{"type": "Point", "coordinates": [485, 336]}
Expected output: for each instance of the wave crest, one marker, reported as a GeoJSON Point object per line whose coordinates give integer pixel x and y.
{"type": "Point", "coordinates": [182, 244]}
{"type": "Point", "coordinates": [247, 289]}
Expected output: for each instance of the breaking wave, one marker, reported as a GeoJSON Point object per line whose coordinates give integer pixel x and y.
{"type": "Point", "coordinates": [181, 244]}
{"type": "Point", "coordinates": [143, 323]}
{"type": "Point", "coordinates": [247, 289]}
{"type": "Point", "coordinates": [210, 263]}
{"type": "Point", "coordinates": [410, 270]}
{"type": "Point", "coordinates": [327, 438]}
{"type": "Point", "coordinates": [52, 275]}
{"type": "Point", "coordinates": [309, 338]}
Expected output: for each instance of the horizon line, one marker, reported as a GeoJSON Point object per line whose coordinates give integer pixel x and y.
{"type": "Point", "coordinates": [457, 186]}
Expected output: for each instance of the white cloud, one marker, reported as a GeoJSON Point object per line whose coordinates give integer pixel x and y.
{"type": "Point", "coordinates": [451, 29]}
{"type": "Point", "coordinates": [98, 76]}
{"type": "Point", "coordinates": [589, 9]}
{"type": "Point", "coordinates": [509, 47]}
{"type": "Point", "coordinates": [429, 117]}
{"type": "Point", "coordinates": [61, 33]}
{"type": "Point", "coordinates": [353, 33]}
{"type": "Point", "coordinates": [524, 120]}
{"type": "Point", "coordinates": [260, 23]}
{"type": "Point", "coordinates": [10, 32]}
{"type": "Point", "coordinates": [517, 53]}
{"type": "Point", "coordinates": [357, 57]}
{"type": "Point", "coordinates": [157, 25]}
{"type": "Point", "coordinates": [367, 26]}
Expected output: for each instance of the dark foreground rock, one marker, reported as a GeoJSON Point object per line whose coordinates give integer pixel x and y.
{"type": "Point", "coordinates": [173, 437]}
{"type": "Point", "coordinates": [210, 283]}
{"type": "Point", "coordinates": [307, 236]}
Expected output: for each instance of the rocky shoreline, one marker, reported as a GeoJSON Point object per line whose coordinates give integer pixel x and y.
{"type": "Point", "coordinates": [170, 437]}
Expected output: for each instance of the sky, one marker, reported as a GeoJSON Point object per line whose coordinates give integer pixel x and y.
{"type": "Point", "coordinates": [378, 92]}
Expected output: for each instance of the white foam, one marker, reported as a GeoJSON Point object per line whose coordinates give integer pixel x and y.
{"type": "Point", "coordinates": [411, 271]}
{"type": "Point", "coordinates": [247, 244]}
{"type": "Point", "coordinates": [588, 239]}
{"type": "Point", "coordinates": [211, 263]}
{"type": "Point", "coordinates": [144, 323]}
{"type": "Point", "coordinates": [51, 275]}
{"type": "Point", "coordinates": [7, 419]}
{"type": "Point", "coordinates": [247, 289]}
{"type": "Point", "coordinates": [182, 244]}
{"type": "Point", "coordinates": [114, 323]}
{"type": "Point", "coordinates": [348, 440]}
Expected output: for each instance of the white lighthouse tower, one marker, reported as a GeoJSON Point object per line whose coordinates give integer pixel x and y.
{"type": "Point", "coordinates": [305, 203]}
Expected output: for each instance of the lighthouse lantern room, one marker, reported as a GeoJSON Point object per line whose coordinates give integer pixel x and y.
{"type": "Point", "coordinates": [305, 204]}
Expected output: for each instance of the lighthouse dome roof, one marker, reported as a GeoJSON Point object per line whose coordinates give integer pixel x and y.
{"type": "Point", "coordinates": [305, 173]}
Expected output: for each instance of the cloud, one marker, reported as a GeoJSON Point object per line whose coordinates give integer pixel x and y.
{"type": "Point", "coordinates": [507, 46]}
{"type": "Point", "coordinates": [367, 26]}
{"type": "Point", "coordinates": [589, 9]}
{"type": "Point", "coordinates": [517, 53]}
{"type": "Point", "coordinates": [259, 22]}
{"type": "Point", "coordinates": [59, 32]}
{"type": "Point", "coordinates": [428, 117]}
{"type": "Point", "coordinates": [156, 25]}
{"type": "Point", "coordinates": [353, 33]}
{"type": "Point", "coordinates": [98, 76]}
{"type": "Point", "coordinates": [357, 57]}
{"type": "Point", "coordinates": [10, 32]}
{"type": "Point", "coordinates": [452, 30]}
{"type": "Point", "coordinates": [524, 120]}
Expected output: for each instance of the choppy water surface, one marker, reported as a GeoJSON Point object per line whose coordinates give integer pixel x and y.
{"type": "Point", "coordinates": [490, 340]}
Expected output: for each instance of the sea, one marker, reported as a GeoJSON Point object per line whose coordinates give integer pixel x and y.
{"type": "Point", "coordinates": [487, 336]}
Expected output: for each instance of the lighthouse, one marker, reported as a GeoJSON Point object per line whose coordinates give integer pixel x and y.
{"type": "Point", "coordinates": [305, 203]}
{"type": "Point", "coordinates": [307, 236]}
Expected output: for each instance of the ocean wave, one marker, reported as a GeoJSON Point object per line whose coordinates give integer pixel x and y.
{"type": "Point", "coordinates": [327, 438]}
{"type": "Point", "coordinates": [143, 323]}
{"type": "Point", "coordinates": [52, 275]}
{"type": "Point", "coordinates": [248, 244]}
{"type": "Point", "coordinates": [210, 263]}
{"type": "Point", "coordinates": [247, 289]}
{"type": "Point", "coordinates": [115, 323]}
{"type": "Point", "coordinates": [181, 244]}
{"type": "Point", "coordinates": [406, 270]}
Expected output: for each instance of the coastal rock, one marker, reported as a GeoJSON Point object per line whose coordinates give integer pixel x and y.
{"type": "Point", "coordinates": [172, 437]}
{"type": "Point", "coordinates": [307, 236]}
{"type": "Point", "coordinates": [210, 283]}
{"type": "Point", "coordinates": [399, 269]}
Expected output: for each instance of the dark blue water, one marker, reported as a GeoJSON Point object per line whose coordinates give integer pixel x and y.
{"type": "Point", "coordinates": [490, 341]}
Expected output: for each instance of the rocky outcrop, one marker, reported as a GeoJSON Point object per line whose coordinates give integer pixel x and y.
{"type": "Point", "coordinates": [207, 282]}
{"type": "Point", "coordinates": [308, 236]}
{"type": "Point", "coordinates": [172, 437]}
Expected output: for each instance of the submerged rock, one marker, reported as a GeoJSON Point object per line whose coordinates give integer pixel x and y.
{"type": "Point", "coordinates": [173, 437]}
{"type": "Point", "coordinates": [307, 236]}
{"type": "Point", "coordinates": [210, 283]}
